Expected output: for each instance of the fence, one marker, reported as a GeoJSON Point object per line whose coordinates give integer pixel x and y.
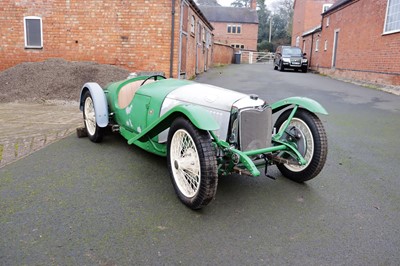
{"type": "Point", "coordinates": [256, 57]}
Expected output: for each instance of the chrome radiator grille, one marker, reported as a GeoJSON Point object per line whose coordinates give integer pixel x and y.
{"type": "Point", "coordinates": [255, 129]}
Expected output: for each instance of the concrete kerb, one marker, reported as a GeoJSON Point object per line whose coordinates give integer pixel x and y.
{"type": "Point", "coordinates": [393, 89]}
{"type": "Point", "coordinates": [28, 127]}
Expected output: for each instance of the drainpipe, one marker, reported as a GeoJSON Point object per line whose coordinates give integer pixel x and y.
{"type": "Point", "coordinates": [171, 64]}
{"type": "Point", "coordinates": [312, 42]}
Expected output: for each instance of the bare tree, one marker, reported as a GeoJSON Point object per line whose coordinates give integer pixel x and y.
{"type": "Point", "coordinates": [207, 3]}
{"type": "Point", "coordinates": [241, 3]}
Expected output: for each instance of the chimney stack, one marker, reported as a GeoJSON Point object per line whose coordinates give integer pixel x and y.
{"type": "Point", "coordinates": [253, 4]}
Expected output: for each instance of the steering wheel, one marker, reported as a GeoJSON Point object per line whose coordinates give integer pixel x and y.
{"type": "Point", "coordinates": [154, 77]}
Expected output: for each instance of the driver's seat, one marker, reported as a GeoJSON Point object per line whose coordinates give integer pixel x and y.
{"type": "Point", "coordinates": [127, 92]}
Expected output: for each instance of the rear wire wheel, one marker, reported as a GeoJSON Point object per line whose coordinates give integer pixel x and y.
{"type": "Point", "coordinates": [312, 143]}
{"type": "Point", "coordinates": [192, 164]}
{"type": "Point", "coordinates": [94, 132]}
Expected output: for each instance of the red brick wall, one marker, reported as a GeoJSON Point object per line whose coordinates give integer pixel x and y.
{"type": "Point", "coordinates": [309, 43]}
{"type": "Point", "coordinates": [307, 15]}
{"type": "Point", "coordinates": [247, 37]}
{"type": "Point", "coordinates": [363, 52]}
{"type": "Point", "coordinates": [198, 53]}
{"type": "Point", "coordinates": [135, 35]}
{"type": "Point", "coordinates": [222, 54]}
{"type": "Point", "coordinates": [298, 20]}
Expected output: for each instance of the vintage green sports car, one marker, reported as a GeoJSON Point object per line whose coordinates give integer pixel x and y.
{"type": "Point", "coordinates": [207, 131]}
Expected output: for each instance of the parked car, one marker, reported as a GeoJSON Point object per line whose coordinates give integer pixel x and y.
{"type": "Point", "coordinates": [290, 57]}
{"type": "Point", "coordinates": [207, 131]}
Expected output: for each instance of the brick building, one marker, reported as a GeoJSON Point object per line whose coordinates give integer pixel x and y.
{"type": "Point", "coordinates": [306, 17]}
{"type": "Point", "coordinates": [349, 44]}
{"type": "Point", "coordinates": [237, 27]}
{"type": "Point", "coordinates": [173, 37]}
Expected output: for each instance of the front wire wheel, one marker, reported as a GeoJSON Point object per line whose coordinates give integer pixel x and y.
{"type": "Point", "coordinates": [94, 132]}
{"type": "Point", "coordinates": [192, 164]}
{"type": "Point", "coordinates": [308, 134]}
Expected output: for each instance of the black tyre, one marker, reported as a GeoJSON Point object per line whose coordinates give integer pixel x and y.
{"type": "Point", "coordinates": [311, 141]}
{"type": "Point", "coordinates": [304, 69]}
{"type": "Point", "coordinates": [281, 67]}
{"type": "Point", "coordinates": [275, 66]}
{"type": "Point", "coordinates": [94, 132]}
{"type": "Point", "coordinates": [192, 164]}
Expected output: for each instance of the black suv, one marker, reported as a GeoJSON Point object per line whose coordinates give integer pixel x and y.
{"type": "Point", "coordinates": [290, 57]}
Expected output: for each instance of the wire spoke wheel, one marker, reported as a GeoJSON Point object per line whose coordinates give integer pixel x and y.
{"type": "Point", "coordinates": [95, 133]}
{"type": "Point", "coordinates": [186, 163]}
{"type": "Point", "coordinates": [305, 143]}
{"type": "Point", "coordinates": [192, 164]}
{"type": "Point", "coordinates": [307, 133]}
{"type": "Point", "coordinates": [90, 117]}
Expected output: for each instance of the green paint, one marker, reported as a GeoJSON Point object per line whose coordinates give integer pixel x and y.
{"type": "Point", "coordinates": [226, 164]}
{"type": "Point", "coordinates": [140, 123]}
{"type": "Point", "coordinates": [306, 103]}
{"type": "Point", "coordinates": [147, 140]}
{"type": "Point", "coordinates": [196, 114]}
{"type": "Point", "coordinates": [231, 153]}
{"type": "Point", "coordinates": [283, 129]}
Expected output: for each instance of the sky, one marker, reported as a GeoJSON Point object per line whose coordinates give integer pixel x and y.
{"type": "Point", "coordinates": [225, 2]}
{"type": "Point", "coordinates": [228, 2]}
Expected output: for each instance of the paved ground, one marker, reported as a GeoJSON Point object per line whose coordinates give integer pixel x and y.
{"type": "Point", "coordinates": [80, 203]}
{"type": "Point", "coordinates": [29, 127]}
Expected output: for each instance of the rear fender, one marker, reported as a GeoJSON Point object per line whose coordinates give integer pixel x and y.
{"type": "Point", "coordinates": [197, 115]}
{"type": "Point", "coordinates": [306, 103]}
{"type": "Point", "coordinates": [99, 101]}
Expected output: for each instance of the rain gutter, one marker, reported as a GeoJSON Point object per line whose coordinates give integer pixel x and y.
{"type": "Point", "coordinates": [171, 64]}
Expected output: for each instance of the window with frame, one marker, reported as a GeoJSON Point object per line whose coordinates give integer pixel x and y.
{"type": "Point", "coordinates": [326, 45]}
{"type": "Point", "coordinates": [325, 7]}
{"type": "Point", "coordinates": [317, 45]}
{"type": "Point", "coordinates": [236, 29]}
{"type": "Point", "coordinates": [239, 46]}
{"type": "Point", "coordinates": [392, 20]}
{"type": "Point", "coordinates": [199, 33]}
{"type": "Point", "coordinates": [208, 39]}
{"type": "Point", "coordinates": [192, 23]}
{"type": "Point", "coordinates": [327, 22]}
{"type": "Point", "coordinates": [33, 32]}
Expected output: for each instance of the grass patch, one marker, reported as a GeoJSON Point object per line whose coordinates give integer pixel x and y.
{"type": "Point", "coordinates": [219, 65]}
{"type": "Point", "coordinates": [16, 146]}
{"type": "Point", "coordinates": [370, 86]}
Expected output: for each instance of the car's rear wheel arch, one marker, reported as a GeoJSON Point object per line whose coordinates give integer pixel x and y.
{"type": "Point", "coordinates": [95, 133]}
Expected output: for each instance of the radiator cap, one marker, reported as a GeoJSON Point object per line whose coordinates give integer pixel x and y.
{"type": "Point", "coordinates": [254, 96]}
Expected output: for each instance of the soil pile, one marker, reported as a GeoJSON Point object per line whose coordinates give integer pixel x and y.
{"type": "Point", "coordinates": [54, 79]}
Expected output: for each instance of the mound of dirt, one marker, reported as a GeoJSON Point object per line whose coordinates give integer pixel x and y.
{"type": "Point", "coordinates": [54, 79]}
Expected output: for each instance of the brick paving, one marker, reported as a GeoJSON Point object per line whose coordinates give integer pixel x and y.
{"type": "Point", "coordinates": [27, 127]}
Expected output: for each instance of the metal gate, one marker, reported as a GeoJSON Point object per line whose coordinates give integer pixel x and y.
{"type": "Point", "coordinates": [248, 57]}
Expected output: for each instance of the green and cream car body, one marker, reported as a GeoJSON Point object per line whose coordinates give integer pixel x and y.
{"type": "Point", "coordinates": [207, 131]}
